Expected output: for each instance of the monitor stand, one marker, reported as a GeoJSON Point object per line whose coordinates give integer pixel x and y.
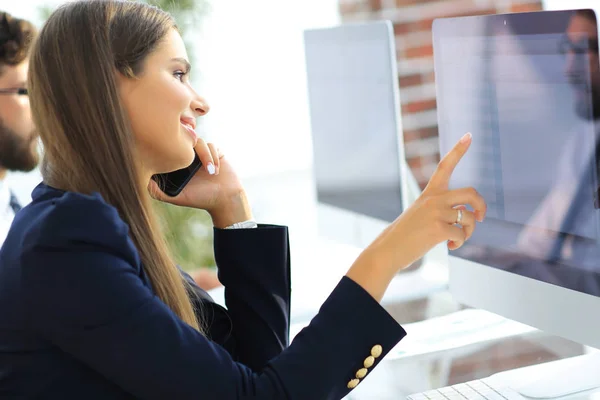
{"type": "Point", "coordinates": [562, 378]}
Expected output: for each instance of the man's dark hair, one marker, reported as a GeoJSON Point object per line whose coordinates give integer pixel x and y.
{"type": "Point", "coordinates": [16, 36]}
{"type": "Point", "coordinates": [589, 14]}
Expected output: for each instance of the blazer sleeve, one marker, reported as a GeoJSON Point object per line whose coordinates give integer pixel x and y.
{"type": "Point", "coordinates": [254, 265]}
{"type": "Point", "coordinates": [85, 295]}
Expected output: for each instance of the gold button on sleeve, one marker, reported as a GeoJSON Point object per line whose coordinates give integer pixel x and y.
{"type": "Point", "coordinates": [376, 350]}
{"type": "Point", "coordinates": [361, 373]}
{"type": "Point", "coordinates": [369, 361]}
{"type": "Point", "coordinates": [353, 383]}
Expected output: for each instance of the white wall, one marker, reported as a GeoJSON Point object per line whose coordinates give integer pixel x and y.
{"type": "Point", "coordinates": [28, 9]}
{"type": "Point", "coordinates": [571, 4]}
{"type": "Point", "coordinates": [21, 9]}
{"type": "Point", "coordinates": [252, 59]}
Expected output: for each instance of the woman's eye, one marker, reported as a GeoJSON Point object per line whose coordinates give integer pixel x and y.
{"type": "Point", "coordinates": [179, 75]}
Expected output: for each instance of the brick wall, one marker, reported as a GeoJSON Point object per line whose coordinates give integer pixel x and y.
{"type": "Point", "coordinates": [412, 21]}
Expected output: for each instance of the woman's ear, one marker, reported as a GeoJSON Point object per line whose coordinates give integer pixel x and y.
{"type": "Point", "coordinates": [125, 81]}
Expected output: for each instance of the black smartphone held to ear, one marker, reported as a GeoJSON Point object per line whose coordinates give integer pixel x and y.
{"type": "Point", "coordinates": [172, 183]}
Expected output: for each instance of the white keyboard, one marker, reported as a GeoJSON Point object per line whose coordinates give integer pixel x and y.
{"type": "Point", "coordinates": [474, 390]}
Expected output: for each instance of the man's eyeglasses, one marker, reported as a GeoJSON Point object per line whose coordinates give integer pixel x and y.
{"type": "Point", "coordinates": [581, 47]}
{"type": "Point", "coordinates": [17, 91]}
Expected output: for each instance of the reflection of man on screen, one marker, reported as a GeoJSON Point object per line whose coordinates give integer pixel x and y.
{"type": "Point", "coordinates": [580, 47]}
{"type": "Point", "coordinates": [571, 205]}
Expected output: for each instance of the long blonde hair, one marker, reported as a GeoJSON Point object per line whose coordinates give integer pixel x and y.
{"type": "Point", "coordinates": [88, 141]}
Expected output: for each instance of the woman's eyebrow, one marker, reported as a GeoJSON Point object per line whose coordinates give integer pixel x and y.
{"type": "Point", "coordinates": [187, 64]}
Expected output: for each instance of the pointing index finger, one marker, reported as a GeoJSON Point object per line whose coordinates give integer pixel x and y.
{"type": "Point", "coordinates": [446, 167]}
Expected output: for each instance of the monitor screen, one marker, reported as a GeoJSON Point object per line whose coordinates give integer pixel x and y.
{"type": "Point", "coordinates": [351, 82]}
{"type": "Point", "coordinates": [529, 92]}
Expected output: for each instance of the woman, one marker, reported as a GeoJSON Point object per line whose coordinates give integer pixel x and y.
{"type": "Point", "coordinates": [91, 304]}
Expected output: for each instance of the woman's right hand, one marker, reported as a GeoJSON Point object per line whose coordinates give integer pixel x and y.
{"type": "Point", "coordinates": [430, 220]}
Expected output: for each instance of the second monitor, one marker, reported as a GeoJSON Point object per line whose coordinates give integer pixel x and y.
{"type": "Point", "coordinates": [356, 130]}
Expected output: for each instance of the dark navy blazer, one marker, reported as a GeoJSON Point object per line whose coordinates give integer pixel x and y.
{"type": "Point", "coordinates": [79, 319]}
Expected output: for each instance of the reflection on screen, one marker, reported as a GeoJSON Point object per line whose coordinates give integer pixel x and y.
{"type": "Point", "coordinates": [350, 84]}
{"type": "Point", "coordinates": [529, 100]}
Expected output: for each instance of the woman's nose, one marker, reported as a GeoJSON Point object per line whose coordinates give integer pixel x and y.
{"type": "Point", "coordinates": [200, 107]}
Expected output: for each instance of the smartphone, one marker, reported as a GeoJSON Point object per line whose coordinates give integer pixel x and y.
{"type": "Point", "coordinates": [172, 183]}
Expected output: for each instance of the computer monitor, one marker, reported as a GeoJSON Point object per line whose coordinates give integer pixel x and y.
{"type": "Point", "coordinates": [356, 130]}
{"type": "Point", "coordinates": [528, 88]}
{"type": "Point", "coordinates": [360, 173]}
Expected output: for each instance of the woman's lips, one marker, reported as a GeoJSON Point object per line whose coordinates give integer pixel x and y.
{"type": "Point", "coordinates": [191, 131]}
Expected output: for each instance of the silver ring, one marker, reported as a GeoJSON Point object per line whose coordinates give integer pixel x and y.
{"type": "Point", "coordinates": [459, 217]}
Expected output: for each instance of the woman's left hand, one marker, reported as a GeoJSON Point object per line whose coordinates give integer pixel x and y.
{"type": "Point", "coordinates": [215, 188]}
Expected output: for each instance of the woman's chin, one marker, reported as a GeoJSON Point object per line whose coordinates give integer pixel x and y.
{"type": "Point", "coordinates": [190, 157]}
{"type": "Point", "coordinates": [188, 160]}
{"type": "Point", "coordinates": [180, 163]}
